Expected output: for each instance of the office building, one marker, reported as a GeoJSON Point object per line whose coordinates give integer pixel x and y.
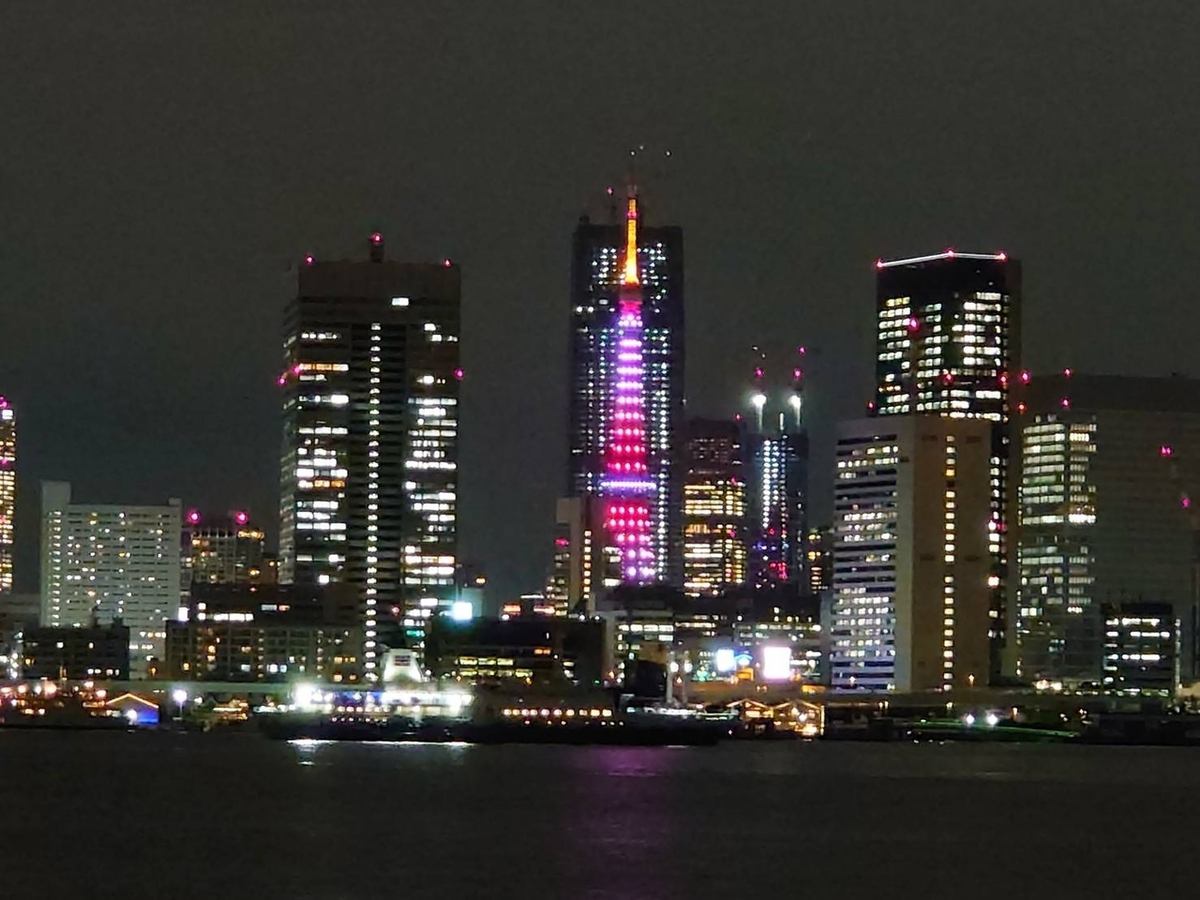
{"type": "Point", "coordinates": [578, 560]}
{"type": "Point", "coordinates": [612, 266]}
{"type": "Point", "coordinates": [534, 651]}
{"type": "Point", "coordinates": [369, 487]}
{"type": "Point", "coordinates": [88, 652]}
{"type": "Point", "coordinates": [224, 549]}
{"type": "Point", "coordinates": [818, 565]}
{"type": "Point", "coordinates": [104, 562]}
{"type": "Point", "coordinates": [714, 508]}
{"type": "Point", "coordinates": [8, 492]}
{"type": "Point", "coordinates": [911, 561]}
{"type": "Point", "coordinates": [1139, 649]}
{"type": "Point", "coordinates": [1110, 479]}
{"type": "Point", "coordinates": [949, 343]}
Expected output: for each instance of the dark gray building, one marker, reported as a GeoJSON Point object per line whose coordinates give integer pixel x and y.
{"type": "Point", "coordinates": [96, 651]}
{"type": "Point", "coordinates": [369, 467]}
{"type": "Point", "coordinates": [1110, 479]}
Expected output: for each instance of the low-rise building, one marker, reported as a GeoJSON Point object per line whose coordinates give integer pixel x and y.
{"type": "Point", "coordinates": [95, 651]}
{"type": "Point", "coordinates": [1140, 649]}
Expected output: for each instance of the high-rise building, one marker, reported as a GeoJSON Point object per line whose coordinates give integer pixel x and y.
{"type": "Point", "coordinates": [714, 508]}
{"type": "Point", "coordinates": [949, 343]}
{"type": "Point", "coordinates": [369, 486]}
{"type": "Point", "coordinates": [578, 555]}
{"type": "Point", "coordinates": [777, 445]}
{"type": "Point", "coordinates": [222, 549]}
{"type": "Point", "coordinates": [104, 563]}
{"type": "Point", "coordinates": [599, 287]}
{"type": "Point", "coordinates": [8, 491]}
{"type": "Point", "coordinates": [911, 565]}
{"type": "Point", "coordinates": [1109, 487]}
{"type": "Point", "coordinates": [818, 564]}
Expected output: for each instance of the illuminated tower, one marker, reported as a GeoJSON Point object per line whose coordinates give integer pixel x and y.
{"type": "Point", "coordinates": [714, 508]}
{"type": "Point", "coordinates": [8, 491]}
{"type": "Point", "coordinates": [777, 446]}
{"type": "Point", "coordinates": [222, 549]}
{"type": "Point", "coordinates": [599, 255]}
{"type": "Point", "coordinates": [948, 339]}
{"type": "Point", "coordinates": [369, 469]}
{"type": "Point", "coordinates": [630, 492]}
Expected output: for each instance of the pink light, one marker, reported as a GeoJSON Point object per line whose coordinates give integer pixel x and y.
{"type": "Point", "coordinates": [914, 324]}
{"type": "Point", "coordinates": [241, 518]}
{"type": "Point", "coordinates": [1025, 377]}
{"type": "Point", "coordinates": [879, 263]}
{"type": "Point", "coordinates": [297, 368]}
{"type": "Point", "coordinates": [1166, 450]}
{"type": "Point", "coordinates": [758, 372]}
{"type": "Point", "coordinates": [1021, 408]}
{"type": "Point", "coordinates": [281, 380]}
{"type": "Point", "coordinates": [797, 374]}
{"type": "Point", "coordinates": [193, 517]}
{"type": "Point", "coordinates": [801, 349]}
{"type": "Point", "coordinates": [1066, 403]}
{"type": "Point", "coordinates": [950, 252]}
{"type": "Point", "coordinates": [1067, 372]}
{"type": "Point", "coordinates": [1002, 256]}
{"type": "Point", "coordinates": [376, 237]}
{"type": "Point", "coordinates": [309, 260]}
{"type": "Point", "coordinates": [446, 263]}
{"type": "Point", "coordinates": [1185, 501]}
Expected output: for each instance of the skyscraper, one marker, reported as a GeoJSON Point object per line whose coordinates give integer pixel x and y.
{"type": "Point", "coordinates": [369, 468]}
{"type": "Point", "coordinates": [8, 491]}
{"type": "Point", "coordinates": [714, 507]}
{"type": "Point", "coordinates": [777, 445]}
{"type": "Point", "coordinates": [597, 281]}
{"type": "Point", "coordinates": [949, 343]}
{"type": "Point", "coordinates": [107, 562]}
{"type": "Point", "coordinates": [910, 554]}
{"type": "Point", "coordinates": [1109, 487]}
{"type": "Point", "coordinates": [222, 549]}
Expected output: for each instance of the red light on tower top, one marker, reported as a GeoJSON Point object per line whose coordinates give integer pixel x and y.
{"type": "Point", "coordinates": [309, 259]}
{"type": "Point", "coordinates": [241, 517]}
{"type": "Point", "coordinates": [193, 517]}
{"type": "Point", "coordinates": [1002, 256]}
{"type": "Point", "coordinates": [879, 263]}
{"type": "Point", "coordinates": [950, 252]}
{"type": "Point", "coordinates": [376, 237]}
{"type": "Point", "coordinates": [1166, 450]}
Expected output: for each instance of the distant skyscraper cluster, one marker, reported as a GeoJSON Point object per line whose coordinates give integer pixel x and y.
{"type": "Point", "coordinates": [988, 526]}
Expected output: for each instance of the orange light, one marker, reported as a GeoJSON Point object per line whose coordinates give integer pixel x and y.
{"type": "Point", "coordinates": [630, 276]}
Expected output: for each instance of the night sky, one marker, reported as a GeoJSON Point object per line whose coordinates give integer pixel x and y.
{"type": "Point", "coordinates": [162, 166]}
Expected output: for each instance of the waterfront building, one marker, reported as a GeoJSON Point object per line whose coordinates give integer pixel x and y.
{"type": "Point", "coordinates": [108, 562]}
{"type": "Point", "coordinates": [948, 342]}
{"type": "Point", "coordinates": [537, 651]}
{"type": "Point", "coordinates": [1139, 649]}
{"type": "Point", "coordinates": [8, 492]}
{"type": "Point", "coordinates": [240, 632]}
{"type": "Point", "coordinates": [1110, 477]}
{"type": "Point", "coordinates": [714, 508]}
{"type": "Point", "coordinates": [912, 572]}
{"type": "Point", "coordinates": [369, 469]}
{"type": "Point", "coordinates": [76, 653]}
{"type": "Point", "coordinates": [627, 350]}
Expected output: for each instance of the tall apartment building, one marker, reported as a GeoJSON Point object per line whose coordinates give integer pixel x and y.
{"type": "Point", "coordinates": [8, 491]}
{"type": "Point", "coordinates": [369, 468]}
{"type": "Point", "coordinates": [102, 563]}
{"type": "Point", "coordinates": [1109, 487]}
{"type": "Point", "coordinates": [949, 343]}
{"type": "Point", "coordinates": [911, 561]}
{"type": "Point", "coordinates": [714, 507]}
{"type": "Point", "coordinates": [598, 270]}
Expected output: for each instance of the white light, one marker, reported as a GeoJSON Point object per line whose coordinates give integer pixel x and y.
{"type": "Point", "coordinates": [462, 611]}
{"type": "Point", "coordinates": [179, 695]}
{"type": "Point", "coordinates": [776, 663]}
{"type": "Point", "coordinates": [725, 660]}
{"type": "Point", "coordinates": [992, 720]}
{"type": "Point", "coordinates": [969, 720]}
{"type": "Point", "coordinates": [399, 301]}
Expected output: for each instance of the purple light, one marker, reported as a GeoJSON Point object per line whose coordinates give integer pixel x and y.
{"type": "Point", "coordinates": [193, 517]}
{"type": "Point", "coordinates": [241, 518]}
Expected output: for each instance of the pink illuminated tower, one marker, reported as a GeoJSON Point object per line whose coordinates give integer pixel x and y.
{"type": "Point", "coordinates": [628, 489]}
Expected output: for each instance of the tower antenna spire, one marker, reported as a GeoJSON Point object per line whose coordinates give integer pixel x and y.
{"type": "Point", "coordinates": [629, 275]}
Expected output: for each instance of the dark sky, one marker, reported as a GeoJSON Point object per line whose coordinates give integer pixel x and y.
{"type": "Point", "coordinates": [161, 165]}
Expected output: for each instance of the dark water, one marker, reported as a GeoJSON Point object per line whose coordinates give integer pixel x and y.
{"type": "Point", "coordinates": [237, 816]}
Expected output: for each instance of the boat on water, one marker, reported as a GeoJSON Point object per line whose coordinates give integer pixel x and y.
{"type": "Point", "coordinates": [434, 714]}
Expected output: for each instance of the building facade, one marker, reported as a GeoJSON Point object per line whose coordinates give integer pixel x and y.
{"type": "Point", "coordinates": [1110, 478]}
{"type": "Point", "coordinates": [100, 652]}
{"type": "Point", "coordinates": [8, 491]}
{"type": "Point", "coordinates": [369, 468]}
{"type": "Point", "coordinates": [911, 560]}
{"type": "Point", "coordinates": [223, 549]}
{"type": "Point", "coordinates": [102, 563]}
{"type": "Point", "coordinates": [948, 342]}
{"type": "Point", "coordinates": [714, 507]}
{"type": "Point", "coordinates": [1139, 649]}
{"type": "Point", "coordinates": [598, 277]}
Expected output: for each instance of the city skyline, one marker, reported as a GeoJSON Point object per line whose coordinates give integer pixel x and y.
{"type": "Point", "coordinates": [788, 246]}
